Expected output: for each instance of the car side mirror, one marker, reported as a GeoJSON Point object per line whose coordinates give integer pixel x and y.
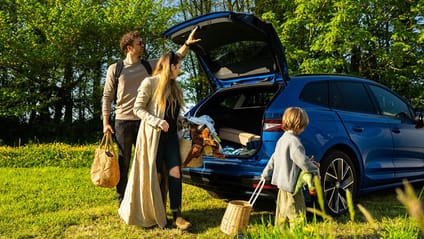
{"type": "Point", "coordinates": [419, 121]}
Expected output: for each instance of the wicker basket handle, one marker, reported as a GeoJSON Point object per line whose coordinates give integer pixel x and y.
{"type": "Point", "coordinates": [256, 192]}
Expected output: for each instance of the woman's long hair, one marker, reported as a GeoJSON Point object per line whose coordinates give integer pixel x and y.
{"type": "Point", "coordinates": [168, 91]}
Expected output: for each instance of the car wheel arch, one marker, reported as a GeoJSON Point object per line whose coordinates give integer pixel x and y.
{"type": "Point", "coordinates": [339, 155]}
{"type": "Point", "coordinates": [352, 154]}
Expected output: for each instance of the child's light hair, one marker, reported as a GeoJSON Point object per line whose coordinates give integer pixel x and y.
{"type": "Point", "coordinates": [294, 118]}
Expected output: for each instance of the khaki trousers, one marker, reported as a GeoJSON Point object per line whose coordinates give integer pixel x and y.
{"type": "Point", "coordinates": [289, 208]}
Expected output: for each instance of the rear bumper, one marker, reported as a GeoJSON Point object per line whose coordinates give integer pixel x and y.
{"type": "Point", "coordinates": [228, 187]}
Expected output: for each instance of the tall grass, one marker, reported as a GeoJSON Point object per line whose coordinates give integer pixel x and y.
{"type": "Point", "coordinates": [400, 227]}
{"type": "Point", "coordinates": [47, 155]}
{"type": "Point", "coordinates": [46, 192]}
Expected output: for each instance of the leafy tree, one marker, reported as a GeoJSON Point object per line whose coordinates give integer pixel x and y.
{"type": "Point", "coordinates": [54, 57]}
{"type": "Point", "coordinates": [375, 39]}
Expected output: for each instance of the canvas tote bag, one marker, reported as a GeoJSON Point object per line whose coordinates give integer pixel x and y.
{"type": "Point", "coordinates": [105, 168]}
{"type": "Point", "coordinates": [185, 144]}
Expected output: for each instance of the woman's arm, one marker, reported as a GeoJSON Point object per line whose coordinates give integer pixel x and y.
{"type": "Point", "coordinates": [142, 107]}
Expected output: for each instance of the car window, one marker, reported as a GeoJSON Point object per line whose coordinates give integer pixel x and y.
{"type": "Point", "coordinates": [315, 93]}
{"type": "Point", "coordinates": [247, 99]}
{"type": "Point", "coordinates": [390, 104]}
{"type": "Point", "coordinates": [350, 96]}
{"type": "Point", "coordinates": [241, 58]}
{"type": "Point", "coordinates": [230, 102]}
{"type": "Point", "coordinates": [259, 99]}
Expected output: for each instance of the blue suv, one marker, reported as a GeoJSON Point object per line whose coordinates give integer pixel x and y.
{"type": "Point", "coordinates": [365, 136]}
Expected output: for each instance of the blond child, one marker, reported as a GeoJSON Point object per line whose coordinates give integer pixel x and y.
{"type": "Point", "coordinates": [286, 164]}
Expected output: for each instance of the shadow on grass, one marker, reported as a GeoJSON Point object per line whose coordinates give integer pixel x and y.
{"type": "Point", "coordinates": [205, 219]}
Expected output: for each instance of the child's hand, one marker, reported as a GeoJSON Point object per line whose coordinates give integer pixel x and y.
{"type": "Point", "coordinates": [312, 158]}
{"type": "Point", "coordinates": [319, 176]}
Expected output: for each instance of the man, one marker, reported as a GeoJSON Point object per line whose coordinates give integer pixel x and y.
{"type": "Point", "coordinates": [124, 94]}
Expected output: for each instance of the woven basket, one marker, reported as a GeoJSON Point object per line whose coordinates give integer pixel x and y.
{"type": "Point", "coordinates": [237, 214]}
{"type": "Point", "coordinates": [236, 217]}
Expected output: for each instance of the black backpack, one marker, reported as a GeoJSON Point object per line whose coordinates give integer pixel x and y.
{"type": "Point", "coordinates": [120, 66]}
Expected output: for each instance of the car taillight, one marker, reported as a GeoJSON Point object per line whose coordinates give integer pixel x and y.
{"type": "Point", "coordinates": [266, 186]}
{"type": "Point", "coordinates": [272, 125]}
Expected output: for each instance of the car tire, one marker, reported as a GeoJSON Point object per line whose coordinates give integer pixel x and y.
{"type": "Point", "coordinates": [338, 174]}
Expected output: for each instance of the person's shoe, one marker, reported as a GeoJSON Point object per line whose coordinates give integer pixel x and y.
{"type": "Point", "coordinates": [182, 224]}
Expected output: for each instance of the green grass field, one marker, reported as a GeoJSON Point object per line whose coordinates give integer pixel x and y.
{"type": "Point", "coordinates": [45, 201]}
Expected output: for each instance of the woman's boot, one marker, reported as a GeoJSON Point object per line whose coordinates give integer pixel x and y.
{"type": "Point", "coordinates": [179, 221]}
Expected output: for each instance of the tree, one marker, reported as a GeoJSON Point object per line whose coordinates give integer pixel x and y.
{"type": "Point", "coordinates": [54, 57]}
{"type": "Point", "coordinates": [375, 39]}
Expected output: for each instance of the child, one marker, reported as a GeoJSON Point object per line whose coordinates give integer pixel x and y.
{"type": "Point", "coordinates": [286, 164]}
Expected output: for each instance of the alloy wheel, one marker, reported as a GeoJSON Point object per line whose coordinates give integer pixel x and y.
{"type": "Point", "coordinates": [338, 177]}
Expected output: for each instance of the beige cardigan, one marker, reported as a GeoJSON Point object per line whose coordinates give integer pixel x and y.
{"type": "Point", "coordinates": [143, 204]}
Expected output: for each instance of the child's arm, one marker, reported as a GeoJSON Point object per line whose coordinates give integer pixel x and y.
{"type": "Point", "coordinates": [304, 162]}
{"type": "Point", "coordinates": [312, 158]}
{"type": "Point", "coordinates": [268, 168]}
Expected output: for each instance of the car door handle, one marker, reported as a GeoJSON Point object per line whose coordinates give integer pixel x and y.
{"type": "Point", "coordinates": [358, 129]}
{"type": "Point", "coordinates": [396, 130]}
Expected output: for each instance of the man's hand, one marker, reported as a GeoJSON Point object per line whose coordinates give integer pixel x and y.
{"type": "Point", "coordinates": [107, 128]}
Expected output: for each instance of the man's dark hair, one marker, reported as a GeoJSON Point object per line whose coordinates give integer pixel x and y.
{"type": "Point", "coordinates": [128, 39]}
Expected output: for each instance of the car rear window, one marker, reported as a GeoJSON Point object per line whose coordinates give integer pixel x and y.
{"type": "Point", "coordinates": [247, 99]}
{"type": "Point", "coordinates": [243, 58]}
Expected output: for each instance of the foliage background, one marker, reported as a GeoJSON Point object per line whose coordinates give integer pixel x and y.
{"type": "Point", "coordinates": [54, 53]}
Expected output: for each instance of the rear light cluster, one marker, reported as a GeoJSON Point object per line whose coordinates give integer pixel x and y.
{"type": "Point", "coordinates": [266, 186]}
{"type": "Point", "coordinates": [272, 125]}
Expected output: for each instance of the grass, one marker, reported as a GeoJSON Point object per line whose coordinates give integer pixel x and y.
{"type": "Point", "coordinates": [54, 202]}
{"type": "Point", "coordinates": [63, 203]}
{"type": "Point", "coordinates": [58, 200]}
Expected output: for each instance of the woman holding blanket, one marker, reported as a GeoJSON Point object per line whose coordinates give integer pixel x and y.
{"type": "Point", "coordinates": [157, 163]}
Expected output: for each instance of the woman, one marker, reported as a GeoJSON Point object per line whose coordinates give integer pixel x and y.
{"type": "Point", "coordinates": [157, 162]}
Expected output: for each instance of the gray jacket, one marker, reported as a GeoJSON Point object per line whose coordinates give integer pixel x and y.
{"type": "Point", "coordinates": [286, 163]}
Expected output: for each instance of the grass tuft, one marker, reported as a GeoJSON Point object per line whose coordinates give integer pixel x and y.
{"type": "Point", "coordinates": [412, 204]}
{"type": "Point", "coordinates": [350, 205]}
